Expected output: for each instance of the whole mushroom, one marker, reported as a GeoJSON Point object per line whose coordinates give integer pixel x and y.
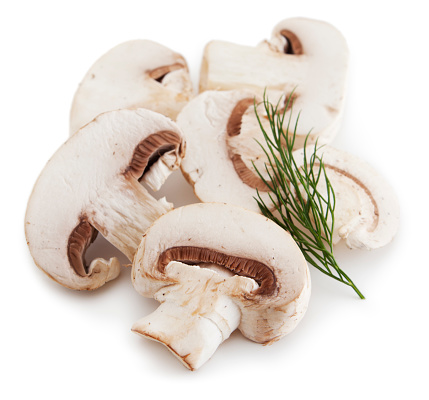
{"type": "Point", "coordinates": [134, 74]}
{"type": "Point", "coordinates": [91, 184]}
{"type": "Point", "coordinates": [215, 268]}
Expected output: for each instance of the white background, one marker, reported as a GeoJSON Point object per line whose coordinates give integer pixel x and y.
{"type": "Point", "coordinates": [63, 344]}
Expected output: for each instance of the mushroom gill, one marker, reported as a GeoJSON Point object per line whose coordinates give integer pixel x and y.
{"type": "Point", "coordinates": [249, 268]}
{"type": "Point", "coordinates": [365, 189]}
{"type": "Point", "coordinates": [149, 150]}
{"type": "Point", "coordinates": [233, 128]}
{"type": "Point", "coordinates": [293, 44]}
{"type": "Point", "coordinates": [79, 240]}
{"type": "Point", "coordinates": [159, 73]}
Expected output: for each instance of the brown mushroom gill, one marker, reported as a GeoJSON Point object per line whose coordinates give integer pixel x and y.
{"type": "Point", "coordinates": [159, 73]}
{"type": "Point", "coordinates": [79, 241]}
{"type": "Point", "coordinates": [249, 268]}
{"type": "Point", "coordinates": [363, 187]}
{"type": "Point", "coordinates": [287, 104]}
{"type": "Point", "coordinates": [293, 44]}
{"type": "Point", "coordinates": [151, 149]}
{"type": "Point", "coordinates": [146, 153]}
{"type": "Point", "coordinates": [233, 128]}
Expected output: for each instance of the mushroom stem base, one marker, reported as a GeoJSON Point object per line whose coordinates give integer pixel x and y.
{"type": "Point", "coordinates": [191, 337]}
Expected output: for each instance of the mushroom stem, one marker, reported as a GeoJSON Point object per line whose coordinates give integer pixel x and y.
{"type": "Point", "coordinates": [202, 337]}
{"type": "Point", "coordinates": [128, 215]}
{"type": "Point", "coordinates": [195, 315]}
{"type": "Point", "coordinates": [231, 66]}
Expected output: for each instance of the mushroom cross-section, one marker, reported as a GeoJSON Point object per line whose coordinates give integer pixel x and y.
{"type": "Point", "coordinates": [306, 57]}
{"type": "Point", "coordinates": [134, 74]}
{"type": "Point", "coordinates": [223, 144]}
{"type": "Point", "coordinates": [215, 268]}
{"type": "Point", "coordinates": [366, 208]}
{"type": "Point", "coordinates": [91, 184]}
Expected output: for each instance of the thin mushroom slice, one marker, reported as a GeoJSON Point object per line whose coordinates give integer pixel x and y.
{"type": "Point", "coordinates": [366, 212]}
{"type": "Point", "coordinates": [134, 74]}
{"type": "Point", "coordinates": [223, 145]}
{"type": "Point", "coordinates": [305, 57]}
{"type": "Point", "coordinates": [215, 268]}
{"type": "Point", "coordinates": [91, 184]}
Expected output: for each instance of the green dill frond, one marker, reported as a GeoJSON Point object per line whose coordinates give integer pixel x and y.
{"type": "Point", "coordinates": [296, 203]}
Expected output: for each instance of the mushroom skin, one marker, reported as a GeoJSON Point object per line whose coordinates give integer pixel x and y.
{"type": "Point", "coordinates": [215, 268]}
{"type": "Point", "coordinates": [304, 57]}
{"type": "Point", "coordinates": [134, 74]}
{"type": "Point", "coordinates": [366, 207]}
{"type": "Point", "coordinates": [223, 141]}
{"type": "Point", "coordinates": [91, 184]}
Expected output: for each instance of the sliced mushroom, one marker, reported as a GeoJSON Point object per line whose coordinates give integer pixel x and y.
{"type": "Point", "coordinates": [264, 291]}
{"type": "Point", "coordinates": [305, 57]}
{"type": "Point", "coordinates": [91, 184]}
{"type": "Point", "coordinates": [366, 208]}
{"type": "Point", "coordinates": [223, 142]}
{"type": "Point", "coordinates": [134, 74]}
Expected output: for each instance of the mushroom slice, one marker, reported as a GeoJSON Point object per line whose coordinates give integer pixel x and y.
{"type": "Point", "coordinates": [91, 184]}
{"type": "Point", "coordinates": [366, 207]}
{"type": "Point", "coordinates": [134, 74]}
{"type": "Point", "coordinates": [306, 57]}
{"type": "Point", "coordinates": [223, 136]}
{"type": "Point", "coordinates": [264, 291]}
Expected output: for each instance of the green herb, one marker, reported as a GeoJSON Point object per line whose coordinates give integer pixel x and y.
{"type": "Point", "coordinates": [303, 211]}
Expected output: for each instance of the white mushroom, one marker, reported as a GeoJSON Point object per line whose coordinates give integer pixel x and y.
{"type": "Point", "coordinates": [264, 291]}
{"type": "Point", "coordinates": [305, 57]}
{"type": "Point", "coordinates": [221, 131]}
{"type": "Point", "coordinates": [134, 74]}
{"type": "Point", "coordinates": [92, 184]}
{"type": "Point", "coordinates": [366, 208]}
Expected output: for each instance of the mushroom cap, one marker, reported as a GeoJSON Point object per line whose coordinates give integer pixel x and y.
{"type": "Point", "coordinates": [366, 207]}
{"type": "Point", "coordinates": [244, 242]}
{"type": "Point", "coordinates": [222, 135]}
{"type": "Point", "coordinates": [134, 74]}
{"type": "Point", "coordinates": [91, 185]}
{"type": "Point", "coordinates": [306, 57]}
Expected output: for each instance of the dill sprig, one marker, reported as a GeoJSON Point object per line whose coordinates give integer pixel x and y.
{"type": "Point", "coordinates": [302, 210]}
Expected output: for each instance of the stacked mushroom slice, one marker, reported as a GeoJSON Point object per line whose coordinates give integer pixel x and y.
{"type": "Point", "coordinates": [366, 207]}
{"type": "Point", "coordinates": [305, 58]}
{"type": "Point", "coordinates": [91, 184]}
{"type": "Point", "coordinates": [214, 268]}
{"type": "Point", "coordinates": [134, 74]}
{"type": "Point", "coordinates": [223, 142]}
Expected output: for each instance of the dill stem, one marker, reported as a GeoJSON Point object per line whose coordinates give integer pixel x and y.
{"type": "Point", "coordinates": [304, 212]}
